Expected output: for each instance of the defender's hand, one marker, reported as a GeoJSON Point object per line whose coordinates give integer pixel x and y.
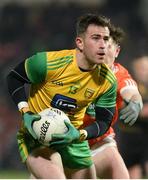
{"type": "Point", "coordinates": [130, 112]}
{"type": "Point", "coordinates": [29, 118]}
{"type": "Point", "coordinates": [61, 140]}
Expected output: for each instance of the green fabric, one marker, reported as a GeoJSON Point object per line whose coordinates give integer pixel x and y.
{"type": "Point", "coordinates": [91, 110]}
{"type": "Point", "coordinates": [59, 140]}
{"type": "Point", "coordinates": [36, 67]}
{"type": "Point", "coordinates": [26, 143]}
{"type": "Point", "coordinates": [76, 155]}
{"type": "Point", "coordinates": [108, 99]}
{"type": "Point", "coordinates": [28, 119]}
{"type": "Point", "coordinates": [59, 62]}
{"type": "Point", "coordinates": [107, 74]}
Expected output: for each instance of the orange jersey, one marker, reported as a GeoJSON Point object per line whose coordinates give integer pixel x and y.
{"type": "Point", "coordinates": [124, 82]}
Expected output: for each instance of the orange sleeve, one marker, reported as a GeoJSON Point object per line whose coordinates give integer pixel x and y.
{"type": "Point", "coordinates": [124, 81]}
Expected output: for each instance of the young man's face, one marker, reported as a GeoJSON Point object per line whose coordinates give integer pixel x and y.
{"type": "Point", "coordinates": [112, 52]}
{"type": "Point", "coordinates": [94, 43]}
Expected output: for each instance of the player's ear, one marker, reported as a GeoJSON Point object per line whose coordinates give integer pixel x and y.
{"type": "Point", "coordinates": [117, 51]}
{"type": "Point", "coordinates": [79, 43]}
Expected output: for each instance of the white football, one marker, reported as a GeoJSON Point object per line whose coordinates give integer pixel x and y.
{"type": "Point", "coordinates": [51, 122]}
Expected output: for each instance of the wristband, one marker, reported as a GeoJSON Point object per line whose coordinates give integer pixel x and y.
{"type": "Point", "coordinates": [23, 107]}
{"type": "Point", "coordinates": [83, 135]}
{"type": "Point", "coordinates": [22, 104]}
{"type": "Point", "coordinates": [24, 110]}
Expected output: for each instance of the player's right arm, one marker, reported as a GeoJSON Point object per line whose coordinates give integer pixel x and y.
{"type": "Point", "coordinates": [105, 108]}
{"type": "Point", "coordinates": [32, 70]}
{"type": "Point", "coordinates": [131, 96]}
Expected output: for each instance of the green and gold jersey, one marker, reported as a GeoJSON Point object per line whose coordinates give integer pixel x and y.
{"type": "Point", "coordinates": [58, 82]}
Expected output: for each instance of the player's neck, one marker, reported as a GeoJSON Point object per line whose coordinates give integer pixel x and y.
{"type": "Point", "coordinates": [82, 62]}
{"type": "Point", "coordinates": [112, 67]}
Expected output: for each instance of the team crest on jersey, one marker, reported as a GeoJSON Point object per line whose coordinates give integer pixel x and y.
{"type": "Point", "coordinates": [89, 93]}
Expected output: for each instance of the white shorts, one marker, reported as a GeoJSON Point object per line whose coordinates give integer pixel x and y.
{"type": "Point", "coordinates": [103, 144]}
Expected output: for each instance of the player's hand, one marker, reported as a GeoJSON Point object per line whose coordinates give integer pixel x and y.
{"type": "Point", "coordinates": [28, 119]}
{"type": "Point", "coordinates": [62, 140]}
{"type": "Point", "coordinates": [130, 112]}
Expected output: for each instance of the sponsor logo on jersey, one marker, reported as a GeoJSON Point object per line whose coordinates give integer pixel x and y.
{"type": "Point", "coordinates": [59, 83]}
{"type": "Point", "coordinates": [64, 103]}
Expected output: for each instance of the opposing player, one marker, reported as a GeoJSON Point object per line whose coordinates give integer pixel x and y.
{"type": "Point", "coordinates": [136, 157]}
{"type": "Point", "coordinates": [109, 163]}
{"type": "Point", "coordinates": [68, 80]}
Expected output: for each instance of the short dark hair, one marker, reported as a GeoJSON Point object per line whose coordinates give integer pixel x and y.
{"type": "Point", "coordinates": [117, 34]}
{"type": "Point", "coordinates": [84, 21]}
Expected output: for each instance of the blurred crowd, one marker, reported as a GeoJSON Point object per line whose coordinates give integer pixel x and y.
{"type": "Point", "coordinates": [25, 30]}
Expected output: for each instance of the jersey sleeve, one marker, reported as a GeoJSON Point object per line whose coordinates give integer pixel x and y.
{"type": "Point", "coordinates": [108, 99]}
{"type": "Point", "coordinates": [36, 68]}
{"type": "Point", "coordinates": [125, 81]}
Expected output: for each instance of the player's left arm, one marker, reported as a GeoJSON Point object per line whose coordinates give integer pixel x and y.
{"type": "Point", "coordinates": [105, 108]}
{"type": "Point", "coordinates": [132, 105]}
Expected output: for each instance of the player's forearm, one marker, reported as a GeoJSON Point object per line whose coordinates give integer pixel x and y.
{"type": "Point", "coordinates": [133, 96]}
{"type": "Point", "coordinates": [103, 121]}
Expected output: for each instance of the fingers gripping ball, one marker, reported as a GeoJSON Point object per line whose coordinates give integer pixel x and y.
{"type": "Point", "coordinates": [51, 122]}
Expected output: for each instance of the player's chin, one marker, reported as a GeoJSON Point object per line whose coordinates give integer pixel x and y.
{"type": "Point", "coordinates": [100, 60]}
